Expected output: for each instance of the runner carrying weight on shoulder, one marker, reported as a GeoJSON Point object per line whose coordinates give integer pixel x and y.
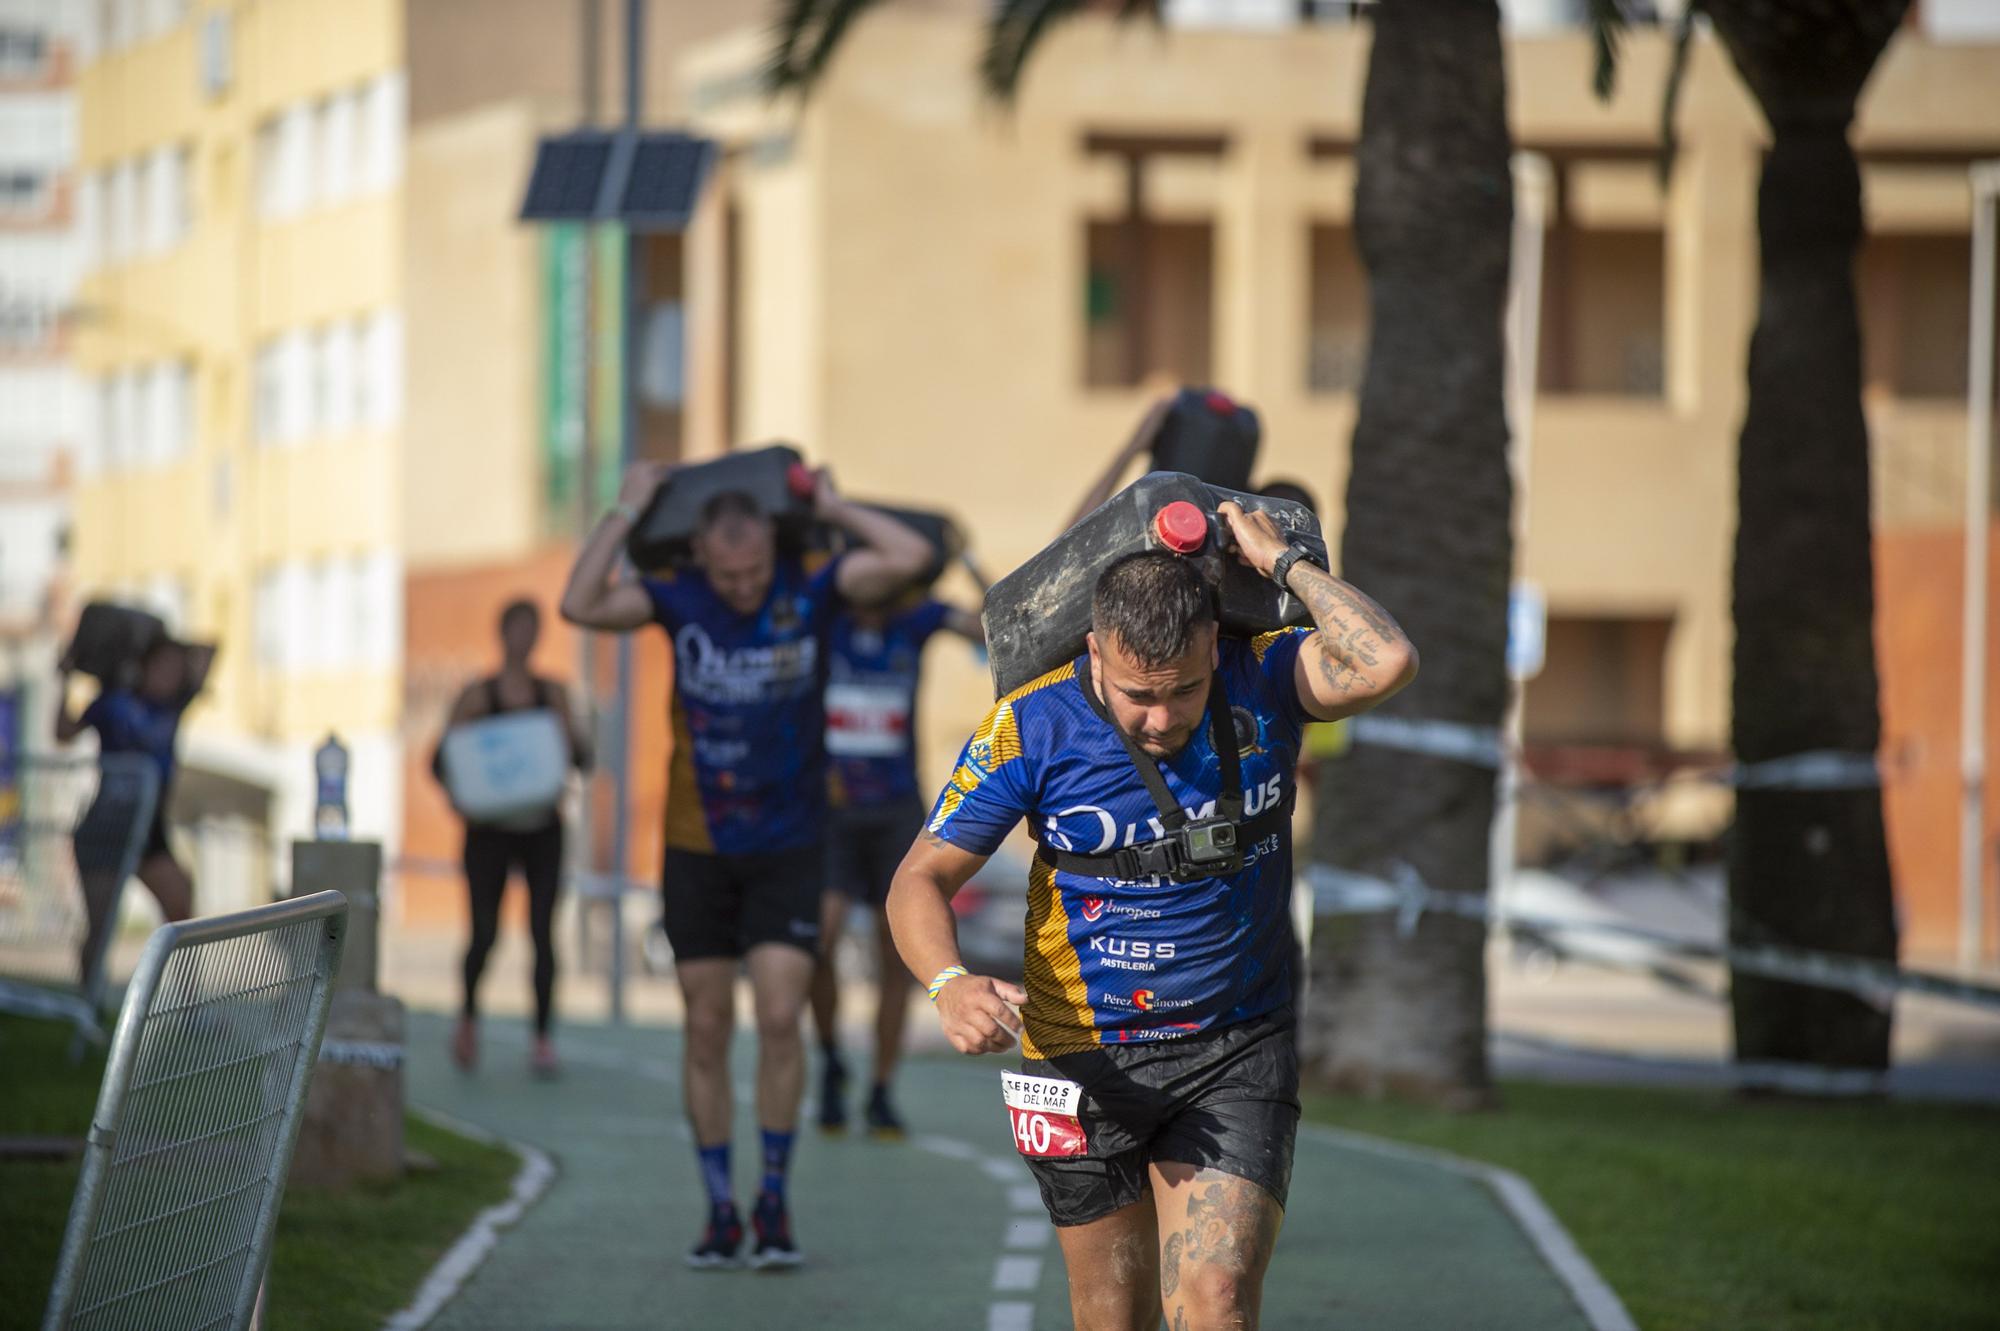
{"type": "Point", "coordinates": [1158, 1097]}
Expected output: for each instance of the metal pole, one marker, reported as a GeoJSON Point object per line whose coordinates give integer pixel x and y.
{"type": "Point", "coordinates": [635, 61]}
{"type": "Point", "coordinates": [1524, 324]}
{"type": "Point", "coordinates": [628, 451]}
{"type": "Point", "coordinates": [593, 47]}
{"type": "Point", "coordinates": [1978, 498]}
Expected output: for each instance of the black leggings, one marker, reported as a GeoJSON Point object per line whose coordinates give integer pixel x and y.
{"type": "Point", "coordinates": [489, 853]}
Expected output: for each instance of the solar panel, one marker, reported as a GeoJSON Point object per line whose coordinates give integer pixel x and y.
{"type": "Point", "coordinates": [649, 182]}
{"type": "Point", "coordinates": [666, 176]}
{"type": "Point", "coordinates": [568, 178]}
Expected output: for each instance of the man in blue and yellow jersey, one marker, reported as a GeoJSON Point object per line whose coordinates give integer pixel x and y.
{"type": "Point", "coordinates": [1157, 1102]}
{"type": "Point", "coordinates": [871, 712]}
{"type": "Point", "coordinates": [744, 863]}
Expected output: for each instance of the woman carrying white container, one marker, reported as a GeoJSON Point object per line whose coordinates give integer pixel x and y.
{"type": "Point", "coordinates": [504, 761]}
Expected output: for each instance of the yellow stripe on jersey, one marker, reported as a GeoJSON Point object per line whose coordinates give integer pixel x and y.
{"type": "Point", "coordinates": [1262, 642]}
{"type": "Point", "coordinates": [686, 826]}
{"type": "Point", "coordinates": [1057, 1018]}
{"type": "Point", "coordinates": [996, 743]}
{"type": "Point", "coordinates": [1039, 682]}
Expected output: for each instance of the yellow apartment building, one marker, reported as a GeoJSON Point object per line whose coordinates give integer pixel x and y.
{"type": "Point", "coordinates": [241, 330]}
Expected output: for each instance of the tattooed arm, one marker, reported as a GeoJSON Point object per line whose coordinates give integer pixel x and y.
{"type": "Point", "coordinates": [1359, 656]}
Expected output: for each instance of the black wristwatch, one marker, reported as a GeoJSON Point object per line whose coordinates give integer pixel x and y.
{"type": "Point", "coordinates": [1281, 567]}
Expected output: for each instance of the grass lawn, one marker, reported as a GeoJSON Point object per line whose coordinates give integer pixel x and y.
{"type": "Point", "coordinates": [1707, 1211]}
{"type": "Point", "coordinates": [343, 1260]}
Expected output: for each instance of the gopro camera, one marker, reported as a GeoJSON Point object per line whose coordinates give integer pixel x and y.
{"type": "Point", "coordinates": [1208, 846]}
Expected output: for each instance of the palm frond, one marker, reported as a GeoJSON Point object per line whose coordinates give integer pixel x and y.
{"type": "Point", "coordinates": [1011, 36]}
{"type": "Point", "coordinates": [1670, 99]}
{"type": "Point", "coordinates": [789, 22]}
{"type": "Point", "coordinates": [805, 36]}
{"type": "Point", "coordinates": [1607, 29]}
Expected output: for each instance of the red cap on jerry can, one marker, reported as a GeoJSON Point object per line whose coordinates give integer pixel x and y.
{"type": "Point", "coordinates": [1220, 404]}
{"type": "Point", "coordinates": [799, 479]}
{"type": "Point", "coordinates": [1181, 527]}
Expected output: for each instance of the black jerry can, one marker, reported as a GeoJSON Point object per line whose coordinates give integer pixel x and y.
{"type": "Point", "coordinates": [1209, 436]}
{"type": "Point", "coordinates": [1037, 616]}
{"type": "Point", "coordinates": [111, 639]}
{"type": "Point", "coordinates": [775, 477]}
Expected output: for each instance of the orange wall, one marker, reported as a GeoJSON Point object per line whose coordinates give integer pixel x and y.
{"type": "Point", "coordinates": [1920, 583]}
{"type": "Point", "coordinates": [452, 637]}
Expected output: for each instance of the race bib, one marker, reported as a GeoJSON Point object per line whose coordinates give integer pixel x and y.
{"type": "Point", "coordinates": [866, 720]}
{"type": "Point", "coordinates": [1042, 1113]}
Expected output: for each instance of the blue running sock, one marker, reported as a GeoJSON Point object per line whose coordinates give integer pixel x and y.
{"type": "Point", "coordinates": [777, 1156]}
{"type": "Point", "coordinates": [715, 1174]}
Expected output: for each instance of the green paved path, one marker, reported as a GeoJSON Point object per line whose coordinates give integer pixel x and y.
{"type": "Point", "coordinates": [942, 1232]}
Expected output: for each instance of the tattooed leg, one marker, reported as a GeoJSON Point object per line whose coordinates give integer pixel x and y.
{"type": "Point", "coordinates": [1113, 1279]}
{"type": "Point", "coordinates": [1216, 1232]}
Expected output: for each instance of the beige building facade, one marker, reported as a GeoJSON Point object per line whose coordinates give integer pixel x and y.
{"type": "Point", "coordinates": [967, 306]}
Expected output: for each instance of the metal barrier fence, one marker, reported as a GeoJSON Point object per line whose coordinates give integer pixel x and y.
{"type": "Point", "coordinates": [171, 1225]}
{"type": "Point", "coordinates": [64, 864]}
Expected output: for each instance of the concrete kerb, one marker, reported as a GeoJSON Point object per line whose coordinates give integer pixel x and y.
{"type": "Point", "coordinates": [1599, 1303]}
{"type": "Point", "coordinates": [464, 1257]}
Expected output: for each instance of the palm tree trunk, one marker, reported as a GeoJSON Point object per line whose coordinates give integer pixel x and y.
{"type": "Point", "coordinates": [1428, 533]}
{"type": "Point", "coordinates": [1806, 867]}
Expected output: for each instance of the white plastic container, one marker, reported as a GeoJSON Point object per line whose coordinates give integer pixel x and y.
{"type": "Point", "coordinates": [507, 770]}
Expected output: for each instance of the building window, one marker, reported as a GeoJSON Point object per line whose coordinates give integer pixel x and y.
{"type": "Point", "coordinates": [121, 228]}
{"type": "Point", "coordinates": [378, 638]}
{"type": "Point", "coordinates": [1148, 302]}
{"type": "Point", "coordinates": [1604, 313]}
{"type": "Point", "coordinates": [1337, 335]}
{"type": "Point", "coordinates": [380, 371]}
{"type": "Point", "coordinates": [282, 409]}
{"type": "Point", "coordinates": [1603, 683]}
{"type": "Point", "coordinates": [316, 153]}
{"type": "Point", "coordinates": [336, 405]}
{"type": "Point", "coordinates": [25, 192]}
{"type": "Point", "coordinates": [166, 207]}
{"type": "Point", "coordinates": [24, 53]}
{"type": "Point", "coordinates": [1914, 324]}
{"type": "Point", "coordinates": [383, 111]}
{"type": "Point", "coordinates": [285, 163]}
{"type": "Point", "coordinates": [1149, 283]}
{"type": "Point", "coordinates": [339, 167]}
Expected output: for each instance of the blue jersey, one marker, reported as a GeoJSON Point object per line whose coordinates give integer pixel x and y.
{"type": "Point", "coordinates": [871, 706]}
{"type": "Point", "coordinates": [749, 724]}
{"type": "Point", "coordinates": [126, 722]}
{"type": "Point", "coordinates": [1112, 960]}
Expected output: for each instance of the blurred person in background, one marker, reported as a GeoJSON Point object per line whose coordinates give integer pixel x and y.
{"type": "Point", "coordinates": [745, 859]}
{"type": "Point", "coordinates": [144, 718]}
{"type": "Point", "coordinates": [871, 743]}
{"type": "Point", "coordinates": [533, 844]}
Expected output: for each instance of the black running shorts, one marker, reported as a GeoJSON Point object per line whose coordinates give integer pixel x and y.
{"type": "Point", "coordinates": [724, 905]}
{"type": "Point", "coordinates": [864, 847]}
{"type": "Point", "coordinates": [1226, 1100]}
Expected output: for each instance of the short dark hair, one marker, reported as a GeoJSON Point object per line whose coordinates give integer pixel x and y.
{"type": "Point", "coordinates": [516, 609]}
{"type": "Point", "coordinates": [729, 505]}
{"type": "Point", "coordinates": [1153, 603]}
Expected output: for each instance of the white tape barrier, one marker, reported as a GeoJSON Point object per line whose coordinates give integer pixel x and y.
{"type": "Point", "coordinates": [361, 1053]}
{"type": "Point", "coordinates": [1483, 746]}
{"type": "Point", "coordinates": [1476, 746]}
{"type": "Point", "coordinates": [1339, 892]}
{"type": "Point", "coordinates": [1821, 769]}
{"type": "Point", "coordinates": [1792, 1078]}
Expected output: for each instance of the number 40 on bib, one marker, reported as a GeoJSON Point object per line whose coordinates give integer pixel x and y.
{"type": "Point", "coordinates": [1042, 1112]}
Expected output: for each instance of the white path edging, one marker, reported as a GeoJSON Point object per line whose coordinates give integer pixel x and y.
{"type": "Point", "coordinates": [1016, 1271]}
{"type": "Point", "coordinates": [1599, 1303]}
{"type": "Point", "coordinates": [465, 1256]}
